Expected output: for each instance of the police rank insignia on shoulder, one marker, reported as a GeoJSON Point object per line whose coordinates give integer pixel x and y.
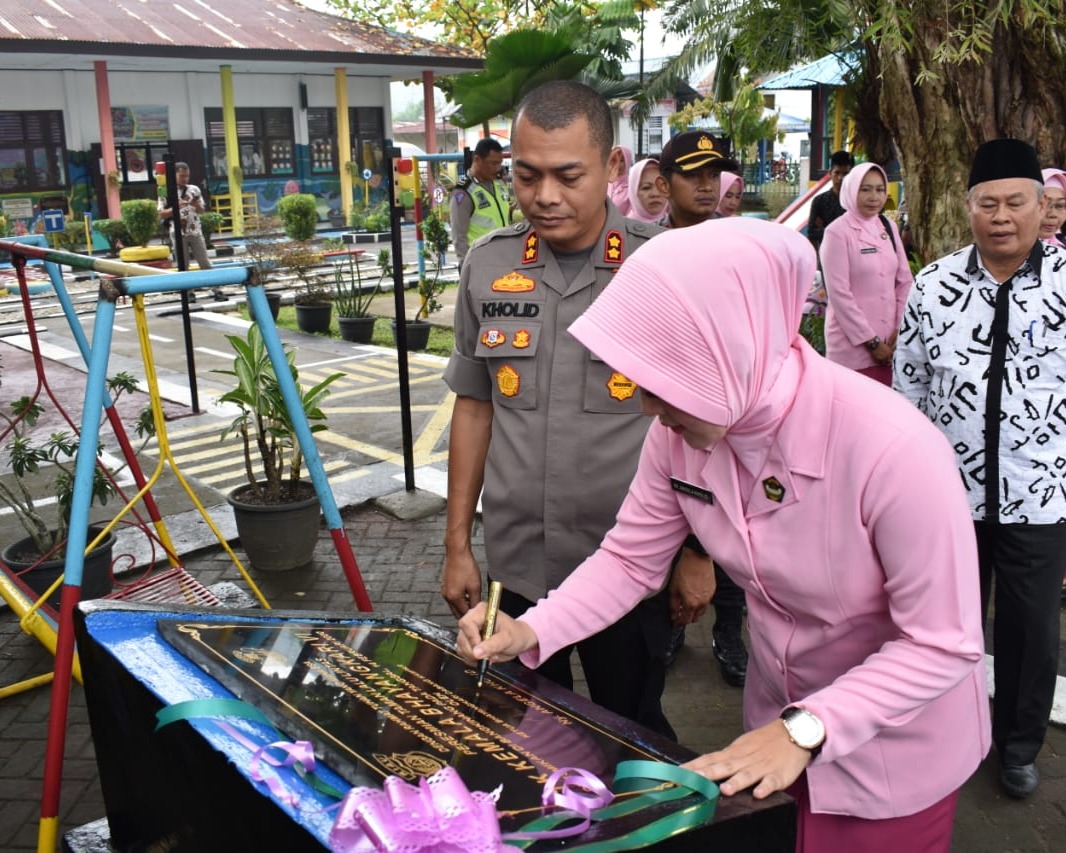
{"type": "Point", "coordinates": [532, 248]}
{"type": "Point", "coordinates": [493, 338]}
{"type": "Point", "coordinates": [612, 247]}
{"type": "Point", "coordinates": [514, 282]}
{"type": "Point", "coordinates": [620, 388]}
{"type": "Point", "coordinates": [521, 339]}
{"type": "Point", "coordinates": [508, 381]}
{"type": "Point", "coordinates": [773, 489]}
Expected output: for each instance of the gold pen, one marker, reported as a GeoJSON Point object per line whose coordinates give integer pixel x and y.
{"type": "Point", "coordinates": [495, 589]}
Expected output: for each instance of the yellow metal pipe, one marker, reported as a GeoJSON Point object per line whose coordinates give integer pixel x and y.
{"type": "Point", "coordinates": [344, 143]}
{"type": "Point", "coordinates": [165, 454]}
{"type": "Point", "coordinates": [233, 151]}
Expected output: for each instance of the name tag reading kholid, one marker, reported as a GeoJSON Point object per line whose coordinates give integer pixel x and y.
{"type": "Point", "coordinates": [705, 495]}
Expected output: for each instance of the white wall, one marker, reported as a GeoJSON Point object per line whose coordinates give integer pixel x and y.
{"type": "Point", "coordinates": [186, 95]}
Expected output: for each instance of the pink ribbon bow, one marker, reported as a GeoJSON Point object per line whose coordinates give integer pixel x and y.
{"type": "Point", "coordinates": [440, 815]}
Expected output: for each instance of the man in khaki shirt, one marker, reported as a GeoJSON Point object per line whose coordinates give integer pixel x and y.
{"type": "Point", "coordinates": [551, 433]}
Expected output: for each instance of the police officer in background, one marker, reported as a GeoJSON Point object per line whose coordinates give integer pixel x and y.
{"type": "Point", "coordinates": [480, 202]}
{"type": "Point", "coordinates": [552, 433]}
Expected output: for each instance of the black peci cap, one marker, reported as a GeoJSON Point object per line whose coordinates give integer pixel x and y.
{"type": "Point", "coordinates": [1004, 158]}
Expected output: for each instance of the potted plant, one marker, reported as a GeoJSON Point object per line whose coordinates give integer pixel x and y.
{"type": "Point", "coordinates": [262, 248]}
{"type": "Point", "coordinates": [299, 215]}
{"type": "Point", "coordinates": [141, 218]}
{"type": "Point", "coordinates": [276, 511]}
{"type": "Point", "coordinates": [430, 285]}
{"type": "Point", "coordinates": [42, 467]}
{"type": "Point", "coordinates": [314, 302]}
{"type": "Point", "coordinates": [353, 301]}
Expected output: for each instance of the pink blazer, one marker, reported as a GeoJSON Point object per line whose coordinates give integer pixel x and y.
{"type": "Point", "coordinates": [861, 583]}
{"type": "Point", "coordinates": [867, 283]}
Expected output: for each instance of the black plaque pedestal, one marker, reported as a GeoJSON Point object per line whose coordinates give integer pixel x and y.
{"type": "Point", "coordinates": [376, 696]}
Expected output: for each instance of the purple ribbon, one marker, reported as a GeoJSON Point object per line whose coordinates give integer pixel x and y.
{"type": "Point", "coordinates": [439, 815]}
{"type": "Point", "coordinates": [579, 792]}
{"type": "Point", "coordinates": [300, 753]}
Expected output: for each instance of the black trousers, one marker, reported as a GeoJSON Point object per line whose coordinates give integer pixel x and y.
{"type": "Point", "coordinates": [728, 600]}
{"type": "Point", "coordinates": [1027, 561]}
{"type": "Point", "coordinates": [624, 664]}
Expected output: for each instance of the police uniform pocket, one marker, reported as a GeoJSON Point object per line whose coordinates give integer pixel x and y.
{"type": "Point", "coordinates": [509, 350]}
{"type": "Point", "coordinates": [608, 391]}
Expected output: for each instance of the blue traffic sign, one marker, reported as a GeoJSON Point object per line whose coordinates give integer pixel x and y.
{"type": "Point", "coordinates": [53, 219]}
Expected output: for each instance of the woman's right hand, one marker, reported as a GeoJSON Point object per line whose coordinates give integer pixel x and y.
{"type": "Point", "coordinates": [509, 640]}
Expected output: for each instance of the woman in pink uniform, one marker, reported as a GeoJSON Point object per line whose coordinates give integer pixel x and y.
{"type": "Point", "coordinates": [730, 194]}
{"type": "Point", "coordinates": [833, 503]}
{"type": "Point", "coordinates": [866, 276]}
{"type": "Point", "coordinates": [646, 201]}
{"type": "Point", "coordinates": [1051, 225]}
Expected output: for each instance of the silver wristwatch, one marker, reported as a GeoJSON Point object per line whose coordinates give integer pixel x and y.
{"type": "Point", "coordinates": [804, 729]}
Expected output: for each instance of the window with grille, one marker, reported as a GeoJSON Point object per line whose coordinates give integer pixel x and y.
{"type": "Point", "coordinates": [33, 151]}
{"type": "Point", "coordinates": [264, 138]}
{"type": "Point", "coordinates": [653, 135]}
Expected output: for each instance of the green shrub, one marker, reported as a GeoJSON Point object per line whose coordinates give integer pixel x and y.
{"type": "Point", "coordinates": [210, 222]}
{"type": "Point", "coordinates": [299, 215]}
{"type": "Point", "coordinates": [114, 231]}
{"type": "Point", "coordinates": [141, 217]}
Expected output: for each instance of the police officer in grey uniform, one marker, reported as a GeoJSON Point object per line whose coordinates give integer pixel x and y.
{"type": "Point", "coordinates": [551, 433]}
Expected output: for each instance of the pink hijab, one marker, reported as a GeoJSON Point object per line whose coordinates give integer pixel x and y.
{"type": "Point", "coordinates": [728, 179]}
{"type": "Point", "coordinates": [724, 348]}
{"type": "Point", "coordinates": [618, 189]}
{"type": "Point", "coordinates": [1055, 176]}
{"type": "Point", "coordinates": [849, 199]}
{"type": "Point", "coordinates": [636, 209]}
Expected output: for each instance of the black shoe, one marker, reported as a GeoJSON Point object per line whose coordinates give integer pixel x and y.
{"type": "Point", "coordinates": [730, 653]}
{"type": "Point", "coordinates": [220, 296]}
{"type": "Point", "coordinates": [677, 640]}
{"type": "Point", "coordinates": [1019, 780]}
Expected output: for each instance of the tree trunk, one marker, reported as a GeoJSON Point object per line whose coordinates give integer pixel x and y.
{"type": "Point", "coordinates": [1018, 91]}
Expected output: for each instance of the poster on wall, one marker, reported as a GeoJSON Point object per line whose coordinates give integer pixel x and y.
{"type": "Point", "coordinates": [141, 123]}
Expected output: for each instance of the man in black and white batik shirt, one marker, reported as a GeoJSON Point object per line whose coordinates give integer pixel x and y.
{"type": "Point", "coordinates": [982, 352]}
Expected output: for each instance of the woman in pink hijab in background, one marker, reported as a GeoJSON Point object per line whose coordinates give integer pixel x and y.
{"type": "Point", "coordinates": [866, 276]}
{"type": "Point", "coordinates": [729, 196]}
{"type": "Point", "coordinates": [1055, 207]}
{"type": "Point", "coordinates": [848, 530]}
{"type": "Point", "coordinates": [618, 188]}
{"type": "Point", "coordinates": [647, 202]}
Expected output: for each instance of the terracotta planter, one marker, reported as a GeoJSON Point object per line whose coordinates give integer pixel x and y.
{"type": "Point", "coordinates": [96, 581]}
{"type": "Point", "coordinates": [314, 318]}
{"type": "Point", "coordinates": [417, 334]}
{"type": "Point", "coordinates": [277, 538]}
{"type": "Point", "coordinates": [357, 330]}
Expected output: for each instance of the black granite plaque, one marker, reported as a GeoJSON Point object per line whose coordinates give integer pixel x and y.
{"type": "Point", "coordinates": [377, 695]}
{"type": "Point", "coordinates": [386, 699]}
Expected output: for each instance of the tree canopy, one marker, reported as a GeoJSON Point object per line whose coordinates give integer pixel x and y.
{"type": "Point", "coordinates": [934, 79]}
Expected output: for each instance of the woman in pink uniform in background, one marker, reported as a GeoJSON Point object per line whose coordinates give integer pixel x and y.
{"type": "Point", "coordinates": [647, 202]}
{"type": "Point", "coordinates": [1054, 207]}
{"type": "Point", "coordinates": [730, 194]}
{"type": "Point", "coordinates": [866, 276]}
{"type": "Point", "coordinates": [835, 504]}
{"type": "Point", "coordinates": [618, 188]}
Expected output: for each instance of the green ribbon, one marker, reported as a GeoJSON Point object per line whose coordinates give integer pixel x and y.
{"type": "Point", "coordinates": [209, 708]}
{"type": "Point", "coordinates": [636, 776]}
{"type": "Point", "coordinates": [237, 708]}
